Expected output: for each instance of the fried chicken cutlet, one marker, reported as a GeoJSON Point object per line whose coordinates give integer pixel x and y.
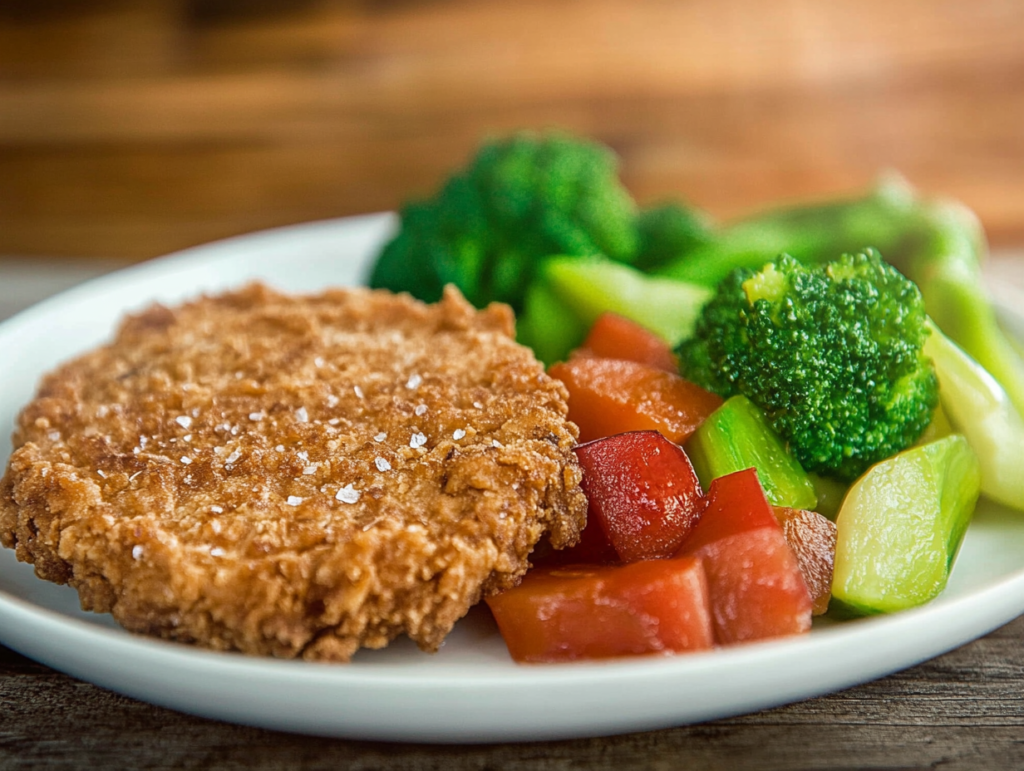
{"type": "Point", "coordinates": [294, 476]}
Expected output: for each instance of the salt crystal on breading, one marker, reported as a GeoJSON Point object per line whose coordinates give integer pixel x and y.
{"type": "Point", "coordinates": [216, 551]}
{"type": "Point", "coordinates": [358, 390]}
{"type": "Point", "coordinates": [301, 415]}
{"type": "Point", "coordinates": [309, 470]}
{"type": "Point", "coordinates": [380, 437]}
{"type": "Point", "coordinates": [420, 409]}
{"type": "Point", "coordinates": [185, 459]}
{"type": "Point", "coordinates": [183, 420]}
{"type": "Point", "coordinates": [53, 436]}
{"type": "Point", "coordinates": [348, 494]}
{"type": "Point", "coordinates": [332, 400]}
{"type": "Point", "coordinates": [100, 472]}
{"type": "Point", "coordinates": [382, 464]}
{"type": "Point", "coordinates": [458, 434]}
{"type": "Point", "coordinates": [478, 405]}
{"type": "Point", "coordinates": [279, 448]}
{"type": "Point", "coordinates": [187, 438]}
{"type": "Point", "coordinates": [417, 440]}
{"type": "Point", "coordinates": [217, 510]}
{"type": "Point", "coordinates": [136, 552]}
{"type": "Point", "coordinates": [318, 361]}
{"type": "Point", "coordinates": [255, 416]}
{"type": "Point", "coordinates": [294, 500]}
{"type": "Point", "coordinates": [233, 457]}
{"type": "Point", "coordinates": [413, 382]}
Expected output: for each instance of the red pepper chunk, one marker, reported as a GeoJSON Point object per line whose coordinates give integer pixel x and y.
{"type": "Point", "coordinates": [754, 581]}
{"type": "Point", "coordinates": [612, 396]}
{"type": "Point", "coordinates": [596, 612]}
{"type": "Point", "coordinates": [616, 337]}
{"type": "Point", "coordinates": [643, 493]}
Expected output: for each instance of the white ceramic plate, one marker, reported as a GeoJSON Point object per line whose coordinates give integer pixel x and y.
{"type": "Point", "coordinates": [470, 691]}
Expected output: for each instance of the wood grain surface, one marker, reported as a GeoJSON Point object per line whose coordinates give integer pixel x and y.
{"type": "Point", "coordinates": [130, 128]}
{"type": "Point", "coordinates": [961, 712]}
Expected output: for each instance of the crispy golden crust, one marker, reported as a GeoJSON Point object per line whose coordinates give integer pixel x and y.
{"type": "Point", "coordinates": [295, 476]}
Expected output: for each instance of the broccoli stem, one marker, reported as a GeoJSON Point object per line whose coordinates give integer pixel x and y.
{"type": "Point", "coordinates": [937, 244]}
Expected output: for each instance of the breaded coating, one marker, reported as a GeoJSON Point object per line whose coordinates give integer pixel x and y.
{"type": "Point", "coordinates": [294, 476]}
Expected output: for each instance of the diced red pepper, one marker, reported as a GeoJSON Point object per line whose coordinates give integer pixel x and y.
{"type": "Point", "coordinates": [616, 337]}
{"type": "Point", "coordinates": [612, 396]}
{"type": "Point", "coordinates": [812, 538]}
{"type": "Point", "coordinates": [594, 612]}
{"type": "Point", "coordinates": [754, 580]}
{"type": "Point", "coordinates": [594, 548]}
{"type": "Point", "coordinates": [643, 493]}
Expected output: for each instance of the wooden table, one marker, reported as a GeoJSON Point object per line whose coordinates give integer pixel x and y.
{"type": "Point", "coordinates": [962, 711]}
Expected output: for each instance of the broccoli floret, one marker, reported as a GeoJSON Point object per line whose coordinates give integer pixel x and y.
{"type": "Point", "coordinates": [519, 200]}
{"type": "Point", "coordinates": [668, 231]}
{"type": "Point", "coordinates": [832, 354]}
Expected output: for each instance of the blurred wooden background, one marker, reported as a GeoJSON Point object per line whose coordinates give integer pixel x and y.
{"type": "Point", "coordinates": [129, 128]}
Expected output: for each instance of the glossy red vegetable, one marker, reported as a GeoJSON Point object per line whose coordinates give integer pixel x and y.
{"type": "Point", "coordinates": [643, 493]}
{"type": "Point", "coordinates": [616, 337]}
{"type": "Point", "coordinates": [593, 612]}
{"type": "Point", "coordinates": [612, 396]}
{"type": "Point", "coordinates": [754, 581]}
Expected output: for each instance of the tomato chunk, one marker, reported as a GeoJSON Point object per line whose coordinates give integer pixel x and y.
{"type": "Point", "coordinates": [594, 548]}
{"type": "Point", "coordinates": [812, 538]}
{"type": "Point", "coordinates": [643, 493]}
{"type": "Point", "coordinates": [754, 581]}
{"type": "Point", "coordinates": [616, 337]}
{"type": "Point", "coordinates": [612, 396]}
{"type": "Point", "coordinates": [594, 612]}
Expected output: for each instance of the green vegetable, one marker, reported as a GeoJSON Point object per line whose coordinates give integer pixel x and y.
{"type": "Point", "coordinates": [830, 492]}
{"type": "Point", "coordinates": [901, 526]}
{"type": "Point", "coordinates": [548, 325]}
{"type": "Point", "coordinates": [667, 232]}
{"type": "Point", "coordinates": [569, 293]}
{"type": "Point", "coordinates": [832, 354]}
{"type": "Point", "coordinates": [736, 436]}
{"type": "Point", "coordinates": [979, 408]}
{"type": "Point", "coordinates": [812, 233]}
{"type": "Point", "coordinates": [519, 200]}
{"type": "Point", "coordinates": [937, 244]}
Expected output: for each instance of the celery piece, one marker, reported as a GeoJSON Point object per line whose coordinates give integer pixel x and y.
{"type": "Point", "coordinates": [978, 407]}
{"type": "Point", "coordinates": [812, 233]}
{"type": "Point", "coordinates": [548, 326]}
{"type": "Point", "coordinates": [588, 287]}
{"type": "Point", "coordinates": [736, 436]}
{"type": "Point", "coordinates": [901, 526]}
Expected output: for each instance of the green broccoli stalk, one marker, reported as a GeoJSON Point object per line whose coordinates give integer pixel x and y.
{"type": "Point", "coordinates": [937, 244]}
{"type": "Point", "coordinates": [519, 200]}
{"type": "Point", "coordinates": [832, 354]}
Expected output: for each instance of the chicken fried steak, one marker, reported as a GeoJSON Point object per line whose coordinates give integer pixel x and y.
{"type": "Point", "coordinates": [295, 476]}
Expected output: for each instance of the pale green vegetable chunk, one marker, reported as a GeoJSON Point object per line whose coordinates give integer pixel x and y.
{"type": "Point", "coordinates": [979, 408]}
{"type": "Point", "coordinates": [737, 436]}
{"type": "Point", "coordinates": [589, 286]}
{"type": "Point", "coordinates": [901, 525]}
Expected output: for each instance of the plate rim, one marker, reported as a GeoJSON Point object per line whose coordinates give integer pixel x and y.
{"type": "Point", "coordinates": [23, 623]}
